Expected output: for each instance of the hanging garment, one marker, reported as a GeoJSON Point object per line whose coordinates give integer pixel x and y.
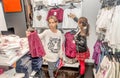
{"type": "Point", "coordinates": [104, 69]}
{"type": "Point", "coordinates": [9, 7]}
{"type": "Point", "coordinates": [1, 71]}
{"type": "Point", "coordinates": [108, 3]}
{"type": "Point", "coordinates": [58, 12]}
{"type": "Point", "coordinates": [35, 45]}
{"type": "Point", "coordinates": [70, 46]}
{"type": "Point", "coordinates": [39, 18]}
{"type": "Point", "coordinates": [97, 51]}
{"type": "Point", "coordinates": [69, 22]}
{"type": "Point", "coordinates": [113, 32]}
{"type": "Point", "coordinates": [104, 18]}
{"type": "Point", "coordinates": [53, 2]}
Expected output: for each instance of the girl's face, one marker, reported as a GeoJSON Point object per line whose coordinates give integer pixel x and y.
{"type": "Point", "coordinates": [80, 25]}
{"type": "Point", "coordinates": [52, 24]}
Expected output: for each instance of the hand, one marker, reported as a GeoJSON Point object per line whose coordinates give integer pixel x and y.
{"type": "Point", "coordinates": [27, 33]}
{"type": "Point", "coordinates": [72, 16]}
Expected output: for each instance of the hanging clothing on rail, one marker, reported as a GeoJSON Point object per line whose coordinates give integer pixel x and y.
{"type": "Point", "coordinates": [39, 18]}
{"type": "Point", "coordinates": [53, 2]}
{"type": "Point", "coordinates": [104, 19]}
{"type": "Point", "coordinates": [113, 36]}
{"type": "Point", "coordinates": [58, 12]}
{"type": "Point", "coordinates": [69, 22]}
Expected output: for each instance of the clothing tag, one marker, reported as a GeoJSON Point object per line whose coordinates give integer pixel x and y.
{"type": "Point", "coordinates": [55, 13]}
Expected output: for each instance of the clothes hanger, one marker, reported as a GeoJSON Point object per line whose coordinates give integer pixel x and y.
{"type": "Point", "coordinates": [72, 6]}
{"type": "Point", "coordinates": [72, 31]}
{"type": "Point", "coordinates": [55, 6]}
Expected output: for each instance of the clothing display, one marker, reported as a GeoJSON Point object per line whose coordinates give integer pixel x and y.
{"type": "Point", "coordinates": [107, 21]}
{"type": "Point", "coordinates": [69, 22]}
{"type": "Point", "coordinates": [57, 47]}
{"type": "Point", "coordinates": [58, 12]}
{"type": "Point", "coordinates": [39, 18]}
{"type": "Point", "coordinates": [106, 61]}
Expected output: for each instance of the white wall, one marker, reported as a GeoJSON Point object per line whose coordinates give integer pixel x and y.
{"type": "Point", "coordinates": [90, 10]}
{"type": "Point", "coordinates": [3, 26]}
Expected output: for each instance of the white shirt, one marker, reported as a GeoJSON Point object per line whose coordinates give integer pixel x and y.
{"type": "Point", "coordinates": [52, 43]}
{"type": "Point", "coordinates": [69, 22]}
{"type": "Point", "coordinates": [39, 18]}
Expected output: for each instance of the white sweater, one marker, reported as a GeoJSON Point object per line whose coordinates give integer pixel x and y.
{"type": "Point", "coordinates": [52, 43]}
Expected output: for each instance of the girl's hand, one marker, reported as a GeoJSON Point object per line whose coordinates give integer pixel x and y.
{"type": "Point", "coordinates": [27, 33]}
{"type": "Point", "coordinates": [71, 15]}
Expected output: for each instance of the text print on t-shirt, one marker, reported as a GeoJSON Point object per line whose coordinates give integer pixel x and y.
{"type": "Point", "coordinates": [54, 45]}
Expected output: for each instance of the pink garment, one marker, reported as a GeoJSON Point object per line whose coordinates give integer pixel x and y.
{"type": "Point", "coordinates": [58, 12]}
{"type": "Point", "coordinates": [35, 45]}
{"type": "Point", "coordinates": [70, 46]}
{"type": "Point", "coordinates": [1, 71]}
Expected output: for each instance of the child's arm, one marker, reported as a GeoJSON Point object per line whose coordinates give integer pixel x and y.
{"type": "Point", "coordinates": [61, 48]}
{"type": "Point", "coordinates": [42, 35]}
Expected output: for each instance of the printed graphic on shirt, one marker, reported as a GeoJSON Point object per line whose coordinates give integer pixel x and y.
{"type": "Point", "coordinates": [39, 17]}
{"type": "Point", "coordinates": [54, 45]}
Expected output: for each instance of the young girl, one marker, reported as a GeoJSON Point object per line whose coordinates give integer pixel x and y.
{"type": "Point", "coordinates": [52, 39]}
{"type": "Point", "coordinates": [81, 44]}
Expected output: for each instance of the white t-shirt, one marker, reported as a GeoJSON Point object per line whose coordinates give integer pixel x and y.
{"type": "Point", "coordinates": [39, 18]}
{"type": "Point", "coordinates": [52, 43]}
{"type": "Point", "coordinates": [69, 22]}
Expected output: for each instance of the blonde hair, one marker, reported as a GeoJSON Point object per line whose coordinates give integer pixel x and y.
{"type": "Point", "coordinates": [53, 17]}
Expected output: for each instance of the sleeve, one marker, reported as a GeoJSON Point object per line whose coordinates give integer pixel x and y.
{"type": "Point", "coordinates": [42, 35]}
{"type": "Point", "coordinates": [61, 47]}
{"type": "Point", "coordinates": [75, 19]}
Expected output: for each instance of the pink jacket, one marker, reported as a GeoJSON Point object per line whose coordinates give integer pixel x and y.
{"type": "Point", "coordinates": [70, 46]}
{"type": "Point", "coordinates": [35, 45]}
{"type": "Point", "coordinates": [57, 12]}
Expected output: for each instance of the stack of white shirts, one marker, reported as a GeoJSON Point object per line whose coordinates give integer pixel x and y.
{"type": "Point", "coordinates": [9, 47]}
